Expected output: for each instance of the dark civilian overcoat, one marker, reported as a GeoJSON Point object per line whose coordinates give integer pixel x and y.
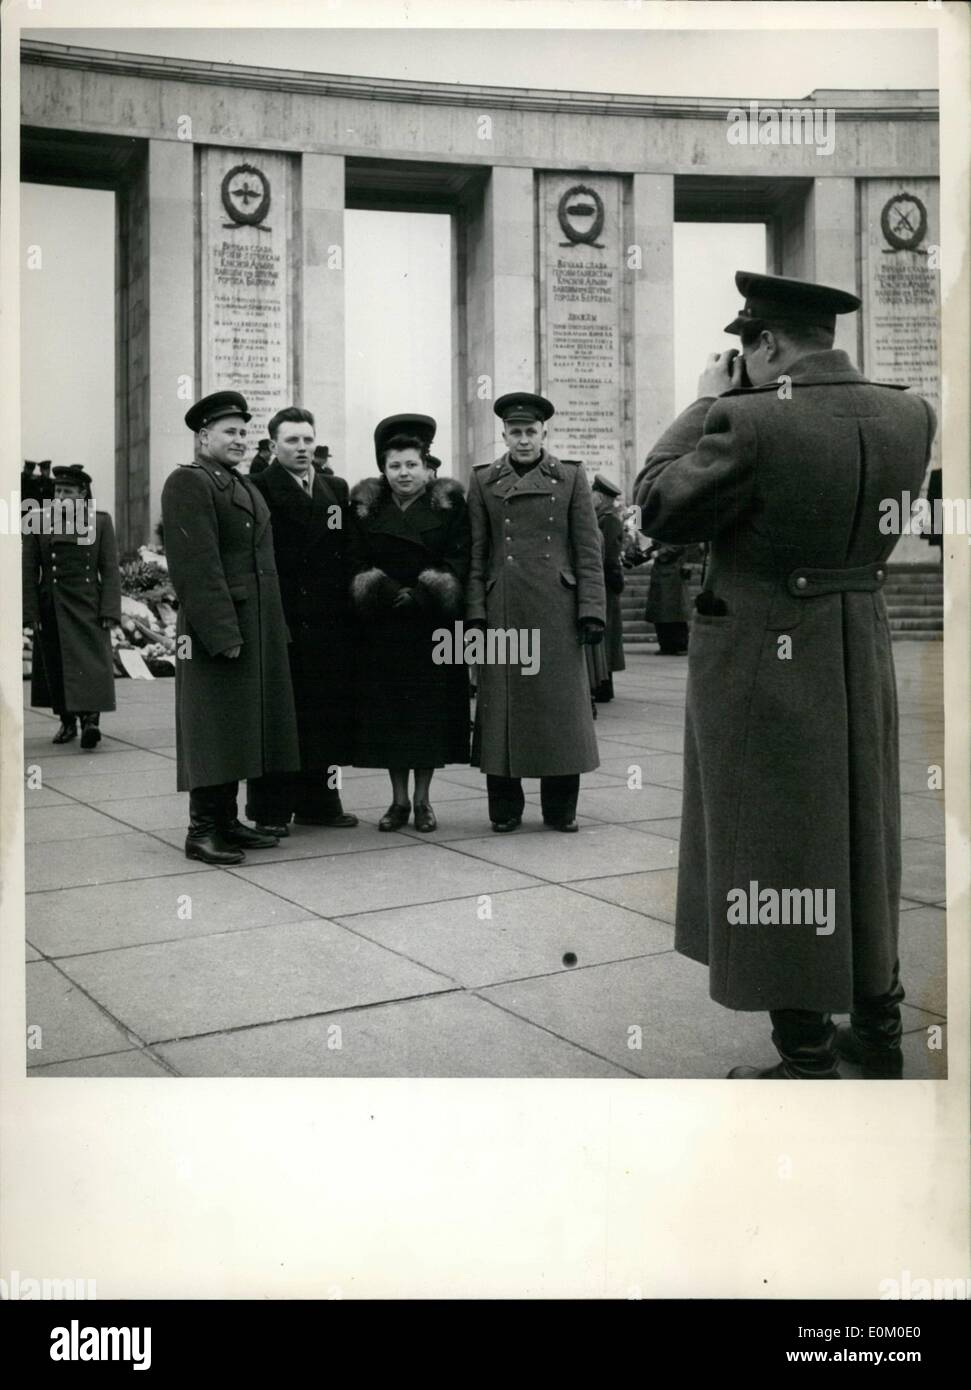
{"type": "Point", "coordinates": [667, 596]}
{"type": "Point", "coordinates": [310, 541]}
{"type": "Point", "coordinates": [234, 716]}
{"type": "Point", "coordinates": [791, 743]}
{"type": "Point", "coordinates": [612, 530]}
{"type": "Point", "coordinates": [410, 711]}
{"type": "Point", "coordinates": [536, 566]}
{"type": "Point", "coordinates": [68, 587]}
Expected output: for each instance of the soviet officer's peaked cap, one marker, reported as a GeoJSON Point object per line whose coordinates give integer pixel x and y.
{"type": "Point", "coordinates": [216, 407]}
{"type": "Point", "coordinates": [421, 427]}
{"type": "Point", "coordinates": [604, 485]}
{"type": "Point", "coordinates": [72, 473]}
{"type": "Point", "coordinates": [523, 405]}
{"type": "Point", "coordinates": [776, 299]}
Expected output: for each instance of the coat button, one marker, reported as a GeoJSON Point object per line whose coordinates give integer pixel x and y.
{"type": "Point", "coordinates": [509, 559]}
{"type": "Point", "coordinates": [802, 582]}
{"type": "Point", "coordinates": [879, 576]}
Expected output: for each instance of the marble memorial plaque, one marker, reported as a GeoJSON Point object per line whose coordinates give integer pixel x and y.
{"type": "Point", "coordinates": [581, 353]}
{"type": "Point", "coordinates": [901, 285]}
{"type": "Point", "coordinates": [246, 324]}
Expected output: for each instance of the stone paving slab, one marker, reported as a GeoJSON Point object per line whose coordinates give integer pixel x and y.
{"type": "Point", "coordinates": [176, 989]}
{"type": "Point", "coordinates": [923, 875]}
{"type": "Point", "coordinates": [922, 817]}
{"type": "Point", "coordinates": [71, 1025]}
{"type": "Point", "coordinates": [391, 878]}
{"type": "Point", "coordinates": [151, 812]}
{"type": "Point", "coordinates": [670, 828]}
{"type": "Point", "coordinates": [87, 766]}
{"type": "Point", "coordinates": [923, 958]}
{"type": "Point", "coordinates": [600, 850]}
{"type": "Point", "coordinates": [658, 769]}
{"type": "Point", "coordinates": [135, 1062]}
{"type": "Point", "coordinates": [651, 893]}
{"type": "Point", "coordinates": [94, 789]}
{"type": "Point", "coordinates": [103, 859]}
{"type": "Point", "coordinates": [36, 797]}
{"type": "Point", "coordinates": [49, 824]}
{"type": "Point", "coordinates": [112, 916]}
{"type": "Point", "coordinates": [32, 954]}
{"type": "Point", "coordinates": [448, 1035]}
{"type": "Point", "coordinates": [40, 746]}
{"type": "Point", "coordinates": [682, 1033]}
{"type": "Point", "coordinates": [529, 932]}
{"type": "Point", "coordinates": [623, 803]}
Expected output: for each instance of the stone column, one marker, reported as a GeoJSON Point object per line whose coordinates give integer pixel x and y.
{"type": "Point", "coordinates": [501, 314]}
{"type": "Point", "coordinates": [832, 211]}
{"type": "Point", "coordinates": [172, 376]}
{"type": "Point", "coordinates": [652, 309]}
{"type": "Point", "coordinates": [319, 307]}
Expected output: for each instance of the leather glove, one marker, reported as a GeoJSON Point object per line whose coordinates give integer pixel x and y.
{"type": "Point", "coordinates": [591, 632]}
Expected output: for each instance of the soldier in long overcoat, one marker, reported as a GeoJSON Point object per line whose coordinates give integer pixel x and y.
{"type": "Point", "coordinates": [536, 568]}
{"type": "Point", "coordinates": [789, 872]}
{"type": "Point", "coordinates": [233, 694]}
{"type": "Point", "coordinates": [72, 598]}
{"type": "Point", "coordinates": [310, 541]}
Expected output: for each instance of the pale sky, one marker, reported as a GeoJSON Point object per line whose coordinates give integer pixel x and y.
{"type": "Point", "coordinates": [744, 63]}
{"type": "Point", "coordinates": [398, 284]}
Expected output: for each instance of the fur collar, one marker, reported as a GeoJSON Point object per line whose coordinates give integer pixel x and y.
{"type": "Point", "coordinates": [369, 495]}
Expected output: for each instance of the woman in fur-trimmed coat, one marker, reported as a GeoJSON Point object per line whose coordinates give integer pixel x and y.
{"type": "Point", "coordinates": [410, 552]}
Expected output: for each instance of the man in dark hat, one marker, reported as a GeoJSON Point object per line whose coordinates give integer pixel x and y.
{"type": "Point", "coordinates": [536, 568]}
{"type": "Point", "coordinates": [321, 464]}
{"type": "Point", "coordinates": [789, 873]}
{"type": "Point", "coordinates": [72, 599]}
{"type": "Point", "coordinates": [310, 525]}
{"type": "Point", "coordinates": [234, 699]}
{"type": "Point", "coordinates": [261, 459]}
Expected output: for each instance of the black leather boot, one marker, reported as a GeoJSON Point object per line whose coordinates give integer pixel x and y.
{"type": "Point", "coordinates": [232, 828]}
{"type": "Point", "coordinates": [90, 730]}
{"type": "Point", "coordinates": [68, 729]}
{"type": "Point", "coordinates": [204, 840]}
{"type": "Point", "coordinates": [804, 1040]}
{"type": "Point", "coordinates": [872, 1038]}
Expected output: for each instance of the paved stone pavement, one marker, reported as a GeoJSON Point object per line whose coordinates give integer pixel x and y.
{"type": "Point", "coordinates": [352, 953]}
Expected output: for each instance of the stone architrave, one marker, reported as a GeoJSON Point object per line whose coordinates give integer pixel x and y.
{"type": "Point", "coordinates": [246, 319]}
{"type": "Point", "coordinates": [581, 318]}
{"type": "Point", "coordinates": [900, 244]}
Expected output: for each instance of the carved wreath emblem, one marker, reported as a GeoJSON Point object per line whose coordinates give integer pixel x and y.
{"type": "Point", "coordinates": [245, 192]}
{"type": "Point", "coordinates": [903, 221]}
{"type": "Point", "coordinates": [581, 216]}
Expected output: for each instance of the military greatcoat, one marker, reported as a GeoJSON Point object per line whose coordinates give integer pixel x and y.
{"type": "Point", "coordinates": [234, 716]}
{"type": "Point", "coordinates": [791, 777]}
{"type": "Point", "coordinates": [70, 583]}
{"type": "Point", "coordinates": [536, 566]}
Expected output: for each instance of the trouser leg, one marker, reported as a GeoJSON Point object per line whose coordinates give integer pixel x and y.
{"type": "Point", "coordinates": [313, 798]}
{"type": "Point", "coordinates": [558, 797]}
{"type": "Point", "coordinates": [506, 799]}
{"type": "Point", "coordinates": [270, 798]}
{"type": "Point", "coordinates": [805, 1041]}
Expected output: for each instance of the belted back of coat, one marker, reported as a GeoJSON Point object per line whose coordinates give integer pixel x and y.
{"type": "Point", "coordinates": [791, 777]}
